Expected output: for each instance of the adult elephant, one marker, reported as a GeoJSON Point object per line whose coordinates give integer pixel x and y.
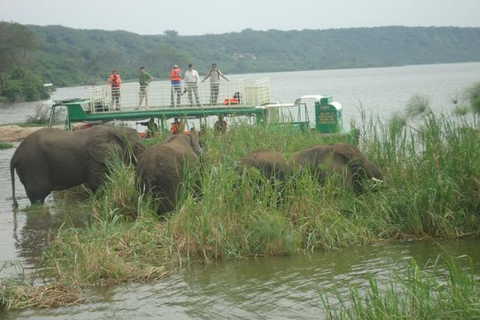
{"type": "Point", "coordinates": [270, 163]}
{"type": "Point", "coordinates": [272, 166]}
{"type": "Point", "coordinates": [53, 159]}
{"type": "Point", "coordinates": [340, 158]}
{"type": "Point", "coordinates": [162, 167]}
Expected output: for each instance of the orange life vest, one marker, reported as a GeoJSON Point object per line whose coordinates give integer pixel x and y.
{"type": "Point", "coordinates": [115, 80]}
{"type": "Point", "coordinates": [230, 101]}
{"type": "Point", "coordinates": [176, 74]}
{"type": "Point", "coordinates": [176, 127]}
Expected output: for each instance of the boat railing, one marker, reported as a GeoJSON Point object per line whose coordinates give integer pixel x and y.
{"type": "Point", "coordinates": [161, 95]}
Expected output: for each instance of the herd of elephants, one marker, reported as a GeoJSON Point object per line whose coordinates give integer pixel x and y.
{"type": "Point", "coordinates": [53, 159]}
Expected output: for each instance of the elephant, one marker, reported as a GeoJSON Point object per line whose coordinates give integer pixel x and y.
{"type": "Point", "coordinates": [272, 165]}
{"type": "Point", "coordinates": [340, 158]}
{"type": "Point", "coordinates": [161, 168]}
{"type": "Point", "coordinates": [54, 159]}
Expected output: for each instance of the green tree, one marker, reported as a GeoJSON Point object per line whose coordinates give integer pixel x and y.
{"type": "Point", "coordinates": [16, 41]}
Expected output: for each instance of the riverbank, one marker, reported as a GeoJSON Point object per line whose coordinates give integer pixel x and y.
{"type": "Point", "coordinates": [16, 133]}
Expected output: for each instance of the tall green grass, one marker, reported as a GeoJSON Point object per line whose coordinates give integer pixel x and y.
{"type": "Point", "coordinates": [447, 290]}
{"type": "Point", "coordinates": [431, 189]}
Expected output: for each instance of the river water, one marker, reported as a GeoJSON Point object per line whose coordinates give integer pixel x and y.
{"type": "Point", "coordinates": [262, 288]}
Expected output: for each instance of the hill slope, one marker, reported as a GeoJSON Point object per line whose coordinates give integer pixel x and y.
{"type": "Point", "coordinates": [72, 56]}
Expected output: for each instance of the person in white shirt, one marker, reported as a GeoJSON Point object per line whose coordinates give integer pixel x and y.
{"type": "Point", "coordinates": [191, 79]}
{"type": "Point", "coordinates": [214, 76]}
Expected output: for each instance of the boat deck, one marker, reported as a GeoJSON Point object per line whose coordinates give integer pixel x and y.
{"type": "Point", "coordinates": [100, 107]}
{"type": "Point", "coordinates": [76, 112]}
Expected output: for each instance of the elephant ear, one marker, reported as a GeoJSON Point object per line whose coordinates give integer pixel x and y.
{"type": "Point", "coordinates": [103, 147]}
{"type": "Point", "coordinates": [195, 143]}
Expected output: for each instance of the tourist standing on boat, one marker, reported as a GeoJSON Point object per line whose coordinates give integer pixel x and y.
{"type": "Point", "coordinates": [221, 125]}
{"type": "Point", "coordinates": [115, 82]}
{"type": "Point", "coordinates": [176, 80]}
{"type": "Point", "coordinates": [144, 79]}
{"type": "Point", "coordinates": [191, 79]}
{"type": "Point", "coordinates": [214, 76]}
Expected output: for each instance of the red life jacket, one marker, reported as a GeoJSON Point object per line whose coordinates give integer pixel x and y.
{"type": "Point", "coordinates": [115, 80]}
{"type": "Point", "coordinates": [176, 127]}
{"type": "Point", "coordinates": [176, 74]}
{"type": "Point", "coordinates": [230, 101]}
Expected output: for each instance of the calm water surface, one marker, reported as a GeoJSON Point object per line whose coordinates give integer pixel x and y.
{"type": "Point", "coordinates": [266, 288]}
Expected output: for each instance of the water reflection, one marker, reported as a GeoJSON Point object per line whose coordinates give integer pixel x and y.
{"type": "Point", "coordinates": [41, 225]}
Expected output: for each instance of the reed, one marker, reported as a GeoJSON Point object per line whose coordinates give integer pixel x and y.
{"type": "Point", "coordinates": [431, 189]}
{"type": "Point", "coordinates": [446, 290]}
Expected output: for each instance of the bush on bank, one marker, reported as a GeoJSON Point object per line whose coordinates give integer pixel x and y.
{"type": "Point", "coordinates": [27, 88]}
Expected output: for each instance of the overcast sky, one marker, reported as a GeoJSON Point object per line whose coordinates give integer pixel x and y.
{"type": "Point", "coordinates": [197, 17]}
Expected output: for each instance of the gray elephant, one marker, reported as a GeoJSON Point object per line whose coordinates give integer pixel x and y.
{"type": "Point", "coordinates": [161, 168]}
{"type": "Point", "coordinates": [53, 159]}
{"type": "Point", "coordinates": [340, 158]}
{"type": "Point", "coordinates": [272, 165]}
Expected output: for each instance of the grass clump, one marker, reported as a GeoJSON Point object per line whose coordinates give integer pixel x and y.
{"type": "Point", "coordinates": [18, 293]}
{"type": "Point", "coordinates": [5, 145]}
{"type": "Point", "coordinates": [439, 291]}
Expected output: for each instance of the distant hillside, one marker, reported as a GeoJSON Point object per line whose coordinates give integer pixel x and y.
{"type": "Point", "coordinates": [71, 56]}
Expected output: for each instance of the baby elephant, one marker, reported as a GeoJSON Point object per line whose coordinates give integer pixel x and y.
{"type": "Point", "coordinates": [340, 158]}
{"type": "Point", "coordinates": [161, 168]}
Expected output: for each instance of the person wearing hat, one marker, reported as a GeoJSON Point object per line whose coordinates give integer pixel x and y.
{"type": "Point", "coordinates": [191, 79]}
{"type": "Point", "coordinates": [176, 80]}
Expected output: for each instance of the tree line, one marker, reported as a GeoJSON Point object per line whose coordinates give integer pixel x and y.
{"type": "Point", "coordinates": [65, 57]}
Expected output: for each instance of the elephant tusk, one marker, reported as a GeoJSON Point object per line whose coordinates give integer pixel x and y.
{"type": "Point", "coordinates": [376, 180]}
{"type": "Point", "coordinates": [197, 151]}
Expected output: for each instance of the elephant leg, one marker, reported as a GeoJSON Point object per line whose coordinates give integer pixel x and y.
{"type": "Point", "coordinates": [37, 188]}
{"type": "Point", "coordinates": [168, 195]}
{"type": "Point", "coordinates": [167, 201]}
{"type": "Point", "coordinates": [96, 176]}
{"type": "Point", "coordinates": [357, 175]}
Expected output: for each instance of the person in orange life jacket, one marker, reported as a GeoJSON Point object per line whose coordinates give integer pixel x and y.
{"type": "Point", "coordinates": [115, 82]}
{"type": "Point", "coordinates": [176, 80]}
{"type": "Point", "coordinates": [177, 126]}
{"type": "Point", "coordinates": [214, 76]}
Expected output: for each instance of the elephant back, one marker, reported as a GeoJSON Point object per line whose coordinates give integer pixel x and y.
{"type": "Point", "coordinates": [106, 142]}
{"type": "Point", "coordinates": [270, 163]}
